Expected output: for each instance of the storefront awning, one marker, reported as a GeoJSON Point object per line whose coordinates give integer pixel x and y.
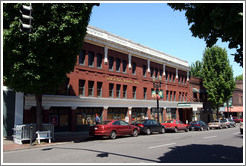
{"type": "Point", "coordinates": [234, 109]}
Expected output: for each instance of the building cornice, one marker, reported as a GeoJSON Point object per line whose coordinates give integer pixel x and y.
{"type": "Point", "coordinates": [106, 39]}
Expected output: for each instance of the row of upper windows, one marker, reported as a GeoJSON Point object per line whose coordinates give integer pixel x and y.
{"type": "Point", "coordinates": [170, 95]}
{"type": "Point", "coordinates": [154, 72]}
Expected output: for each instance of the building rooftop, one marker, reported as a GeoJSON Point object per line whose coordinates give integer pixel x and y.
{"type": "Point", "coordinates": [113, 41]}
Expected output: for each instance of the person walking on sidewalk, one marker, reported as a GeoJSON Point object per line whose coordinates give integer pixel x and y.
{"type": "Point", "coordinates": [97, 119]}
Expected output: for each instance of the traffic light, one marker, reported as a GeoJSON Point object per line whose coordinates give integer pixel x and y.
{"type": "Point", "coordinates": [26, 18]}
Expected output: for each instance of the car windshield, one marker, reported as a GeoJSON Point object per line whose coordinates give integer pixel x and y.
{"type": "Point", "coordinates": [168, 121]}
{"type": "Point", "coordinates": [104, 122]}
{"type": "Point", "coordinates": [139, 122]}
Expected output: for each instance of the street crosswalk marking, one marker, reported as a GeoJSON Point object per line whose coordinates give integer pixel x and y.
{"type": "Point", "coordinates": [210, 137]}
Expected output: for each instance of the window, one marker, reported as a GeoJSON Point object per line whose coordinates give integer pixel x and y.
{"type": "Point", "coordinates": [182, 80]}
{"type": "Point", "coordinates": [152, 72]}
{"type": "Point", "coordinates": [99, 89]}
{"type": "Point", "coordinates": [144, 70]}
{"type": "Point", "coordinates": [166, 76]}
{"type": "Point", "coordinates": [82, 87]}
{"type": "Point", "coordinates": [82, 57]}
{"type": "Point", "coordinates": [174, 75]}
{"type": "Point", "coordinates": [167, 99]}
{"type": "Point", "coordinates": [118, 91]}
{"type": "Point", "coordinates": [124, 66]}
{"type": "Point", "coordinates": [134, 68]}
{"type": "Point", "coordinates": [111, 62]}
{"type": "Point", "coordinates": [161, 72]}
{"type": "Point", "coordinates": [179, 96]}
{"type": "Point", "coordinates": [111, 90]}
{"type": "Point", "coordinates": [124, 91]}
{"type": "Point", "coordinates": [170, 76]}
{"type": "Point", "coordinates": [171, 97]}
{"type": "Point", "coordinates": [118, 61]}
{"type": "Point", "coordinates": [91, 88]}
{"type": "Point", "coordinates": [174, 96]}
{"type": "Point", "coordinates": [144, 93]}
{"type": "Point", "coordinates": [179, 78]}
{"type": "Point", "coordinates": [156, 73]}
{"type": "Point", "coordinates": [134, 89]}
{"type": "Point", "coordinates": [185, 80]}
{"type": "Point", "coordinates": [91, 59]}
{"type": "Point", "coordinates": [99, 60]}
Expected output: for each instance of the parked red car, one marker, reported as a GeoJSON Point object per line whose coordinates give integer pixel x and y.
{"type": "Point", "coordinates": [175, 125]}
{"type": "Point", "coordinates": [237, 120]}
{"type": "Point", "coordinates": [114, 128]}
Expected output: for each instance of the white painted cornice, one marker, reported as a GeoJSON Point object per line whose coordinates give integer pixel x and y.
{"type": "Point", "coordinates": [104, 38]}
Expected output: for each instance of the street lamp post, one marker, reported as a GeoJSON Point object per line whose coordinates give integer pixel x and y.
{"type": "Point", "coordinates": [157, 85]}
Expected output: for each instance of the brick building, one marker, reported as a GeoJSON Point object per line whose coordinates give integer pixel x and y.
{"type": "Point", "coordinates": [237, 101]}
{"type": "Point", "coordinates": [113, 77]}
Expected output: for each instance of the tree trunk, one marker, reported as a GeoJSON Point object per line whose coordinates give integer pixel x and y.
{"type": "Point", "coordinates": [217, 112]}
{"type": "Point", "coordinates": [39, 111]}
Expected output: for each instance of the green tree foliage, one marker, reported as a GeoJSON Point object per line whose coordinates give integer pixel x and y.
{"type": "Point", "coordinates": [239, 78]}
{"type": "Point", "coordinates": [217, 75]}
{"type": "Point", "coordinates": [216, 20]}
{"type": "Point", "coordinates": [37, 63]}
{"type": "Point", "coordinates": [196, 69]}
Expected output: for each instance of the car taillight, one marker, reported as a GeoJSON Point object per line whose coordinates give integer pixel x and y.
{"type": "Point", "coordinates": [140, 125]}
{"type": "Point", "coordinates": [197, 124]}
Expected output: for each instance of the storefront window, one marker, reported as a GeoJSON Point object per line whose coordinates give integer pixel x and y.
{"type": "Point", "coordinates": [170, 113]}
{"type": "Point", "coordinates": [63, 120]}
{"type": "Point", "coordinates": [154, 114]}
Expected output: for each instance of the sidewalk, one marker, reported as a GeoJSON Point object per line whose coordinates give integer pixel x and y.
{"type": "Point", "coordinates": [60, 138]}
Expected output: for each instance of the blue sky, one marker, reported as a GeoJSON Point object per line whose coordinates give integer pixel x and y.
{"type": "Point", "coordinates": [155, 25]}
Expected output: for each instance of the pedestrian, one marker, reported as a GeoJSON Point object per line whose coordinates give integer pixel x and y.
{"type": "Point", "coordinates": [97, 119]}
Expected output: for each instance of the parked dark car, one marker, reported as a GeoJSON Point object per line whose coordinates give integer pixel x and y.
{"type": "Point", "coordinates": [113, 128]}
{"type": "Point", "coordinates": [149, 126]}
{"type": "Point", "coordinates": [198, 125]}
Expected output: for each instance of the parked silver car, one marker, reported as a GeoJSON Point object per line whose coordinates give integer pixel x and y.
{"type": "Point", "coordinates": [219, 124]}
{"type": "Point", "coordinates": [229, 122]}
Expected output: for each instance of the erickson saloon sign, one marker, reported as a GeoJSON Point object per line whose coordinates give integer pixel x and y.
{"type": "Point", "coordinates": [122, 80]}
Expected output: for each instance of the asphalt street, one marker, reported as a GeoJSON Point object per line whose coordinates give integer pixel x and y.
{"type": "Point", "coordinates": [214, 146]}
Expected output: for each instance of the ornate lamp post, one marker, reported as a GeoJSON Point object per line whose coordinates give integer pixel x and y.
{"type": "Point", "coordinates": [157, 85]}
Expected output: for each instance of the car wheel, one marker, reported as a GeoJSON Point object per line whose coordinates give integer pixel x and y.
{"type": "Point", "coordinates": [135, 133]}
{"type": "Point", "coordinates": [112, 135]}
{"type": "Point", "coordinates": [187, 129]}
{"type": "Point", "coordinates": [175, 130]}
{"type": "Point", "coordinates": [220, 127]}
{"type": "Point", "coordinates": [208, 128]}
{"type": "Point", "coordinates": [201, 129]}
{"type": "Point", "coordinates": [148, 131]}
{"type": "Point", "coordinates": [226, 127]}
{"type": "Point", "coordinates": [162, 130]}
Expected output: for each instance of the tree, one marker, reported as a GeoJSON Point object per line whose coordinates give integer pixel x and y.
{"type": "Point", "coordinates": [216, 20]}
{"type": "Point", "coordinates": [218, 76]}
{"type": "Point", "coordinates": [37, 62]}
{"type": "Point", "coordinates": [239, 78]}
{"type": "Point", "coordinates": [196, 69]}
